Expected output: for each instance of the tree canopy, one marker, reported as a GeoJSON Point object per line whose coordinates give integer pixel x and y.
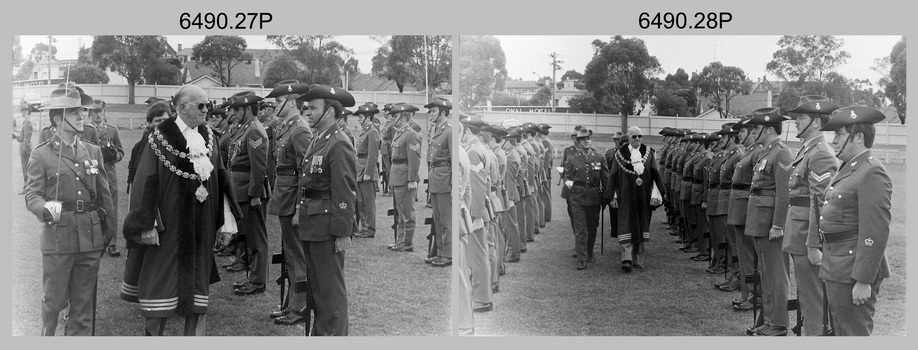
{"type": "Point", "coordinates": [128, 55]}
{"type": "Point", "coordinates": [721, 84]}
{"type": "Point", "coordinates": [619, 75]}
{"type": "Point", "coordinates": [320, 56]}
{"type": "Point", "coordinates": [482, 69]}
{"type": "Point", "coordinates": [805, 59]}
{"type": "Point", "coordinates": [221, 53]}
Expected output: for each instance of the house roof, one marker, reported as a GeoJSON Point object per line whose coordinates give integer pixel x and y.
{"type": "Point", "coordinates": [367, 82]}
{"type": "Point", "coordinates": [521, 84]}
{"type": "Point", "coordinates": [892, 116]}
{"type": "Point", "coordinates": [242, 74]}
{"type": "Point", "coordinates": [204, 77]}
{"type": "Point", "coordinates": [713, 113]}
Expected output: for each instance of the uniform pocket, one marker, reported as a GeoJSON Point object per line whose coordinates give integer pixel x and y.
{"type": "Point", "coordinates": [839, 261]}
{"type": "Point", "coordinates": [317, 206]}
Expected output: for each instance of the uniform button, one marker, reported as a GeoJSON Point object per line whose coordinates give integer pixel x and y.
{"type": "Point", "coordinates": [826, 202]}
{"type": "Point", "coordinates": [78, 178]}
{"type": "Point", "coordinates": [839, 196]}
{"type": "Point", "coordinates": [820, 217]}
{"type": "Point", "coordinates": [850, 252]}
{"type": "Point", "coordinates": [79, 193]}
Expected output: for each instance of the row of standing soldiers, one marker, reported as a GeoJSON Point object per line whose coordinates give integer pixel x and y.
{"type": "Point", "coordinates": [743, 202]}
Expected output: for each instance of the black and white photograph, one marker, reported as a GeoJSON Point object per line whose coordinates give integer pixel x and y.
{"type": "Point", "coordinates": [225, 185]}
{"type": "Point", "coordinates": [744, 185]}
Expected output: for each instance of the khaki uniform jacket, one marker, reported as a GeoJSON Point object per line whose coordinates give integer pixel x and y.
{"type": "Point", "coordinates": [688, 173]}
{"type": "Point", "coordinates": [512, 175]}
{"type": "Point", "coordinates": [439, 176]}
{"type": "Point", "coordinates": [500, 180]}
{"type": "Point", "coordinates": [590, 173]}
{"type": "Point", "coordinates": [406, 157]}
{"type": "Point", "coordinates": [248, 161]}
{"type": "Point", "coordinates": [699, 172]}
{"type": "Point", "coordinates": [771, 169]}
{"type": "Point", "coordinates": [742, 176]}
{"type": "Point", "coordinates": [494, 182]}
{"type": "Point", "coordinates": [547, 157]}
{"type": "Point", "coordinates": [88, 134]}
{"type": "Point", "coordinates": [329, 188]}
{"type": "Point", "coordinates": [855, 222]}
{"type": "Point", "coordinates": [814, 167]}
{"type": "Point", "coordinates": [712, 183]}
{"type": "Point", "coordinates": [292, 138]}
{"type": "Point", "coordinates": [367, 148]}
{"type": "Point", "coordinates": [25, 137]}
{"type": "Point", "coordinates": [55, 173]}
{"type": "Point", "coordinates": [479, 182]}
{"type": "Point", "coordinates": [531, 168]}
{"type": "Point", "coordinates": [731, 156]}
{"type": "Point", "coordinates": [523, 179]}
{"type": "Point", "coordinates": [565, 191]}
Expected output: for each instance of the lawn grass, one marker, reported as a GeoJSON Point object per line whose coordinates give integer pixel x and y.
{"type": "Point", "coordinates": [672, 296]}
{"type": "Point", "coordinates": [389, 293]}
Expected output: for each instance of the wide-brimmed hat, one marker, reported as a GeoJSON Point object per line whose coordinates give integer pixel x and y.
{"type": "Point", "coordinates": [584, 132]}
{"type": "Point", "coordinates": [403, 107]}
{"type": "Point", "coordinates": [288, 87]}
{"type": "Point", "coordinates": [439, 103]}
{"type": "Point", "coordinates": [814, 104]}
{"type": "Point", "coordinates": [328, 92]}
{"type": "Point", "coordinates": [767, 115]}
{"type": "Point", "coordinates": [97, 103]}
{"type": "Point", "coordinates": [367, 109]}
{"type": "Point", "coordinates": [62, 98]}
{"type": "Point", "coordinates": [853, 115]}
{"type": "Point", "coordinates": [244, 98]}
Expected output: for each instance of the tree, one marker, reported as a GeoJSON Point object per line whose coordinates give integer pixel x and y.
{"type": "Point", "coordinates": [666, 103]}
{"type": "Point", "coordinates": [807, 58]}
{"type": "Point", "coordinates": [25, 70]}
{"type": "Point", "coordinates": [379, 61]}
{"type": "Point", "coordinates": [84, 73]}
{"type": "Point", "coordinates": [352, 67]}
{"type": "Point", "coordinates": [42, 48]}
{"type": "Point", "coordinates": [722, 83]}
{"type": "Point", "coordinates": [408, 55]}
{"type": "Point", "coordinates": [541, 97]}
{"type": "Point", "coordinates": [162, 72]}
{"type": "Point", "coordinates": [619, 74]}
{"type": "Point", "coordinates": [320, 55]}
{"type": "Point", "coordinates": [221, 53]}
{"type": "Point", "coordinates": [584, 103]}
{"type": "Point", "coordinates": [502, 98]}
{"type": "Point", "coordinates": [17, 51]}
{"type": "Point", "coordinates": [482, 69]}
{"type": "Point", "coordinates": [283, 68]}
{"type": "Point", "coordinates": [896, 84]}
{"type": "Point", "coordinates": [678, 80]}
{"type": "Point", "coordinates": [691, 101]}
{"type": "Point", "coordinates": [127, 55]}
{"type": "Point", "coordinates": [576, 76]}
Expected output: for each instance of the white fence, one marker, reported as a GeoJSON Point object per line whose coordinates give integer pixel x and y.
{"type": "Point", "coordinates": [118, 94]}
{"type": "Point", "coordinates": [886, 133]}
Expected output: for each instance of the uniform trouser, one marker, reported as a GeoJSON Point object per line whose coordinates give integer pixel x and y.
{"type": "Point", "coordinates": [442, 206]}
{"type": "Point", "coordinates": [462, 302]}
{"type": "Point", "coordinates": [386, 164]}
{"type": "Point", "coordinates": [404, 203]}
{"type": "Point", "coordinates": [717, 235]}
{"type": "Point", "coordinates": [256, 239]}
{"type": "Point", "coordinates": [727, 232]}
{"type": "Point", "coordinates": [295, 262]}
{"type": "Point", "coordinates": [325, 272]}
{"type": "Point", "coordinates": [688, 212]}
{"type": "Point", "coordinates": [537, 209]}
{"type": "Point", "coordinates": [809, 294]}
{"type": "Point", "coordinates": [501, 239]}
{"type": "Point", "coordinates": [546, 200]}
{"type": "Point", "coordinates": [522, 220]}
{"type": "Point", "coordinates": [849, 319]}
{"type": "Point", "coordinates": [69, 279]}
{"type": "Point", "coordinates": [530, 224]}
{"type": "Point", "coordinates": [629, 251]}
{"type": "Point", "coordinates": [480, 267]}
{"type": "Point", "coordinates": [773, 267]}
{"type": "Point", "coordinates": [112, 218]}
{"type": "Point", "coordinates": [701, 226]}
{"type": "Point", "coordinates": [510, 225]}
{"type": "Point", "coordinates": [745, 248]}
{"type": "Point", "coordinates": [494, 260]}
{"type": "Point", "coordinates": [24, 160]}
{"type": "Point", "coordinates": [586, 219]}
{"type": "Point", "coordinates": [366, 205]}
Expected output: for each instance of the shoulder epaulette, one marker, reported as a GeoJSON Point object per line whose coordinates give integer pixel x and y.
{"type": "Point", "coordinates": [43, 143]}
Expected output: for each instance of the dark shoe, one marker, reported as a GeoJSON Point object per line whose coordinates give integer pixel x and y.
{"type": "Point", "coordinates": [495, 289]}
{"type": "Point", "coordinates": [530, 240]}
{"type": "Point", "coordinates": [715, 270]}
{"type": "Point", "coordinates": [754, 330]}
{"type": "Point", "coordinates": [365, 234]}
{"type": "Point", "coordinates": [638, 266]}
{"type": "Point", "coordinates": [745, 305]}
{"type": "Point", "coordinates": [113, 251]}
{"type": "Point", "coordinates": [574, 256]}
{"type": "Point", "coordinates": [485, 308]}
{"type": "Point", "coordinates": [238, 266]}
{"type": "Point", "coordinates": [279, 313]}
{"type": "Point", "coordinates": [701, 257]}
{"type": "Point", "coordinates": [626, 266]}
{"type": "Point", "coordinates": [443, 262]}
{"type": "Point", "coordinates": [237, 285]}
{"type": "Point", "coordinates": [772, 331]}
{"type": "Point", "coordinates": [581, 265]}
{"type": "Point", "coordinates": [250, 288]}
{"type": "Point", "coordinates": [393, 246]}
{"type": "Point", "coordinates": [404, 248]}
{"type": "Point", "coordinates": [291, 318]}
{"type": "Point", "coordinates": [513, 260]}
{"type": "Point", "coordinates": [430, 260]}
{"type": "Point", "coordinates": [523, 250]}
{"type": "Point", "coordinates": [732, 287]}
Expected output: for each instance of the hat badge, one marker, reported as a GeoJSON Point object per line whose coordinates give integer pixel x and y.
{"type": "Point", "coordinates": [766, 118]}
{"type": "Point", "coordinates": [853, 115]}
{"type": "Point", "coordinates": [332, 91]}
{"type": "Point", "coordinates": [868, 242]}
{"type": "Point", "coordinates": [245, 100]}
{"type": "Point", "coordinates": [818, 107]}
{"type": "Point", "coordinates": [289, 88]}
{"type": "Point", "coordinates": [342, 205]}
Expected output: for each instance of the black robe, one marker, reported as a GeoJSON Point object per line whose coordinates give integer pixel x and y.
{"type": "Point", "coordinates": [633, 201]}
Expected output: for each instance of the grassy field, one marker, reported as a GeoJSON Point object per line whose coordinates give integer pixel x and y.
{"type": "Point", "coordinates": [673, 296]}
{"type": "Point", "coordinates": [389, 293]}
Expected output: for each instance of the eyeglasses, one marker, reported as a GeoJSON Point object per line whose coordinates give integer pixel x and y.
{"type": "Point", "coordinates": [205, 106]}
{"type": "Point", "coordinates": [636, 136]}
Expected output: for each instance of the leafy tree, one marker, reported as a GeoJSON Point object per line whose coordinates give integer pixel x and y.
{"type": "Point", "coordinates": [221, 53]}
{"type": "Point", "coordinates": [807, 58]}
{"type": "Point", "coordinates": [541, 97]}
{"type": "Point", "coordinates": [282, 68]}
{"type": "Point", "coordinates": [577, 77]}
{"type": "Point", "coordinates": [619, 74]}
{"type": "Point", "coordinates": [352, 67]}
{"type": "Point", "coordinates": [84, 73]}
{"type": "Point", "coordinates": [502, 98]}
{"type": "Point", "coordinates": [666, 103]}
{"type": "Point", "coordinates": [379, 61]}
{"type": "Point", "coordinates": [127, 55]}
{"type": "Point", "coordinates": [584, 103]}
{"type": "Point", "coordinates": [162, 72]}
{"type": "Point", "coordinates": [409, 54]}
{"type": "Point", "coordinates": [43, 49]}
{"type": "Point", "coordinates": [722, 83]}
{"type": "Point", "coordinates": [482, 67]}
{"type": "Point", "coordinates": [25, 70]}
{"type": "Point", "coordinates": [896, 86]}
{"type": "Point", "coordinates": [320, 55]}
{"type": "Point", "coordinates": [691, 101]}
{"type": "Point", "coordinates": [17, 51]}
{"type": "Point", "coordinates": [84, 55]}
{"type": "Point", "coordinates": [678, 80]}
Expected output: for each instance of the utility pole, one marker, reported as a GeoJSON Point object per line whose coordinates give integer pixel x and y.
{"type": "Point", "coordinates": [426, 67]}
{"type": "Point", "coordinates": [50, 41]}
{"type": "Point", "coordinates": [554, 81]}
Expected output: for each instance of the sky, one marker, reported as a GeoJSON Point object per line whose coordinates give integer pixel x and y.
{"type": "Point", "coordinates": [69, 45]}
{"type": "Point", "coordinates": [527, 55]}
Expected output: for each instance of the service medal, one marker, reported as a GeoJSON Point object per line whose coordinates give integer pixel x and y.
{"type": "Point", "coordinates": [201, 193]}
{"type": "Point", "coordinates": [638, 181]}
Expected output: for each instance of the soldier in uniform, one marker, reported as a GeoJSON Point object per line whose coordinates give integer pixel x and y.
{"type": "Point", "coordinates": [539, 154]}
{"type": "Point", "coordinates": [532, 182]}
{"type": "Point", "coordinates": [292, 138]}
{"type": "Point", "coordinates": [342, 124]}
{"type": "Point", "coordinates": [67, 190]}
{"type": "Point", "coordinates": [494, 204]}
{"type": "Point", "coordinates": [699, 169]}
{"type": "Point", "coordinates": [814, 166]}
{"type": "Point", "coordinates": [248, 161]}
{"type": "Point", "coordinates": [524, 208]}
{"type": "Point", "coordinates": [25, 147]}
{"type": "Point", "coordinates": [439, 179]}
{"type": "Point", "coordinates": [509, 222]}
{"type": "Point", "coordinates": [719, 194]}
{"type": "Point", "coordinates": [403, 174]}
{"type": "Point", "coordinates": [547, 160]}
{"type": "Point", "coordinates": [585, 174]}
{"type": "Point", "coordinates": [367, 176]}
{"type": "Point", "coordinates": [462, 303]}
{"type": "Point", "coordinates": [108, 139]}
{"type": "Point", "coordinates": [386, 133]}
{"type": "Point", "coordinates": [854, 223]}
{"type": "Point", "coordinates": [685, 169]}
{"type": "Point", "coordinates": [89, 132]}
{"type": "Point", "coordinates": [711, 203]}
{"type": "Point", "coordinates": [479, 186]}
{"type": "Point", "coordinates": [765, 218]}
{"type": "Point", "coordinates": [566, 191]}
{"type": "Point", "coordinates": [326, 215]}
{"type": "Point", "coordinates": [742, 164]}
